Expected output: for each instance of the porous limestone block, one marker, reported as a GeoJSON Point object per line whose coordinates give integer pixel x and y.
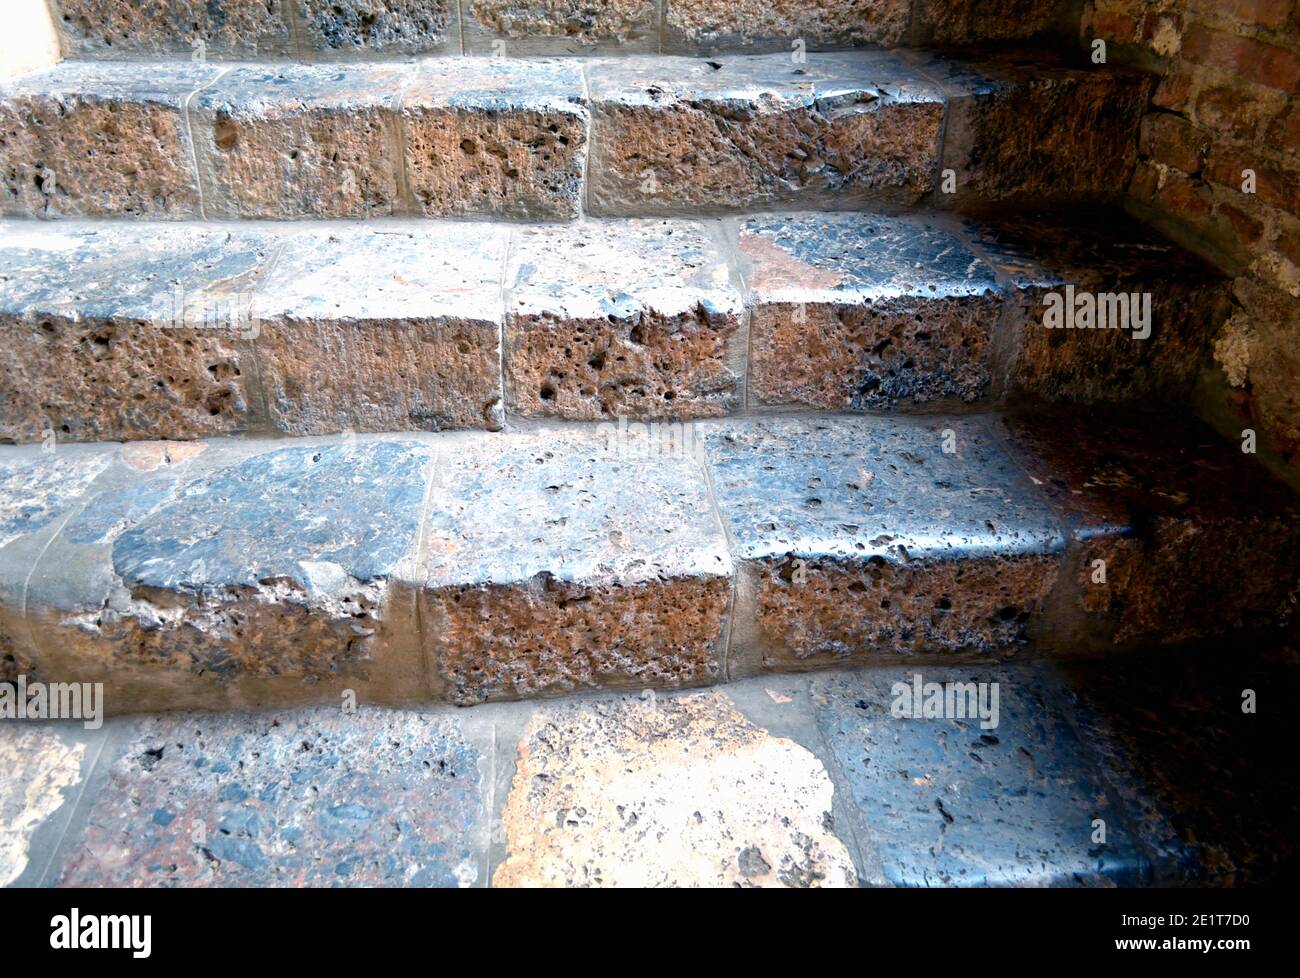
{"type": "Point", "coordinates": [566, 560]}
{"type": "Point", "coordinates": [362, 329]}
{"type": "Point", "coordinates": [511, 28]}
{"type": "Point", "coordinates": [128, 332]}
{"type": "Point", "coordinates": [866, 539]}
{"type": "Point", "coordinates": [725, 26]}
{"type": "Point", "coordinates": [680, 135]}
{"type": "Point", "coordinates": [864, 311]}
{"type": "Point", "coordinates": [198, 29]}
{"type": "Point", "coordinates": [623, 319]}
{"type": "Point", "coordinates": [496, 137]}
{"type": "Point", "coordinates": [88, 139]}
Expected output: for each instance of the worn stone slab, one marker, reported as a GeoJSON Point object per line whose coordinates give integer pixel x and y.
{"type": "Point", "coordinates": [1031, 127]}
{"type": "Point", "coordinates": [383, 330]}
{"type": "Point", "coordinates": [950, 801]}
{"type": "Point", "coordinates": [862, 540]}
{"type": "Point", "coordinates": [93, 139]}
{"type": "Point", "coordinates": [1199, 770]}
{"type": "Point", "coordinates": [864, 311]}
{"type": "Point", "coordinates": [568, 560]}
{"type": "Point", "coordinates": [717, 27]}
{"type": "Point", "coordinates": [1105, 255]}
{"type": "Point", "coordinates": [499, 137]}
{"type": "Point", "coordinates": [312, 798]}
{"type": "Point", "coordinates": [40, 772]}
{"type": "Point", "coordinates": [1196, 538]}
{"type": "Point", "coordinates": [118, 332]}
{"type": "Point", "coordinates": [513, 28]}
{"type": "Point", "coordinates": [623, 319]}
{"type": "Point", "coordinates": [968, 22]}
{"type": "Point", "coordinates": [233, 574]}
{"type": "Point", "coordinates": [674, 135]}
{"type": "Point", "coordinates": [139, 29]}
{"type": "Point", "coordinates": [370, 28]}
{"type": "Point", "coordinates": [301, 141]}
{"type": "Point", "coordinates": [682, 791]}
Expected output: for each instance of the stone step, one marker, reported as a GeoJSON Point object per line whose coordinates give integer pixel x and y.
{"type": "Point", "coordinates": [177, 331]}
{"type": "Point", "coordinates": [468, 567]}
{"type": "Point", "coordinates": [1043, 777]}
{"type": "Point", "coordinates": [331, 30]}
{"type": "Point", "coordinates": [538, 139]}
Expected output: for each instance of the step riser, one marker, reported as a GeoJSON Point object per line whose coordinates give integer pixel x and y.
{"type": "Point", "coordinates": [452, 325]}
{"type": "Point", "coordinates": [330, 30]}
{"type": "Point", "coordinates": [523, 140]}
{"type": "Point", "coordinates": [468, 568]}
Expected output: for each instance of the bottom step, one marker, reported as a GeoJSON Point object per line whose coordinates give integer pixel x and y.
{"type": "Point", "coordinates": [466, 567]}
{"type": "Point", "coordinates": [1052, 777]}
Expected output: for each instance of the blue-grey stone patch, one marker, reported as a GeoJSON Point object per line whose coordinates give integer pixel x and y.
{"type": "Point", "coordinates": [38, 487]}
{"type": "Point", "coordinates": [948, 802]}
{"type": "Point", "coordinates": [318, 798]}
{"type": "Point", "coordinates": [279, 515]}
{"type": "Point", "coordinates": [108, 514]}
{"type": "Point", "coordinates": [858, 488]}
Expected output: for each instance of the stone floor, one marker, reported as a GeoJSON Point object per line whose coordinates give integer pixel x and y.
{"type": "Point", "coordinates": [1141, 772]}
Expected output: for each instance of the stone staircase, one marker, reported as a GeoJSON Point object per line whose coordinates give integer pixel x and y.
{"type": "Point", "coordinates": [423, 352]}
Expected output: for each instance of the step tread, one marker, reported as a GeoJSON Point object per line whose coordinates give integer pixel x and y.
{"type": "Point", "coordinates": [780, 781]}
{"type": "Point", "coordinates": [239, 567]}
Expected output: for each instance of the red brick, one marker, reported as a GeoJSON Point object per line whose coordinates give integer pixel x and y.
{"type": "Point", "coordinates": [1183, 199]}
{"type": "Point", "coordinates": [1246, 228]}
{"type": "Point", "coordinates": [1266, 13]}
{"type": "Point", "coordinates": [1264, 64]}
{"type": "Point", "coordinates": [1284, 133]}
{"type": "Point", "coordinates": [1273, 186]}
{"type": "Point", "coordinates": [1235, 111]}
{"type": "Point", "coordinates": [1175, 91]}
{"type": "Point", "coordinates": [1173, 140]}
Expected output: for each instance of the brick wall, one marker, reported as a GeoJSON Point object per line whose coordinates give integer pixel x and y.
{"type": "Point", "coordinates": [1227, 103]}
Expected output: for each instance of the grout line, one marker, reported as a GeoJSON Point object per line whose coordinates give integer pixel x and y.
{"type": "Point", "coordinates": [460, 24]}
{"type": "Point", "coordinates": [732, 551]}
{"type": "Point", "coordinates": [187, 135]}
{"type": "Point", "coordinates": [585, 197]}
{"type": "Point", "coordinates": [503, 295]}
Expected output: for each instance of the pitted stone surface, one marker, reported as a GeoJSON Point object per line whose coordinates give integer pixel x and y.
{"type": "Point", "coordinates": [567, 560]}
{"type": "Point", "coordinates": [720, 26]}
{"type": "Point", "coordinates": [384, 330]}
{"type": "Point", "coordinates": [39, 769]}
{"type": "Point", "coordinates": [506, 27]}
{"type": "Point", "coordinates": [867, 539]}
{"type": "Point", "coordinates": [121, 332]}
{"type": "Point", "coordinates": [673, 135]}
{"type": "Point", "coordinates": [500, 137]}
{"type": "Point", "coordinates": [381, 27]}
{"type": "Point", "coordinates": [95, 139]}
{"type": "Point", "coordinates": [301, 141]}
{"type": "Point", "coordinates": [1196, 538]}
{"type": "Point", "coordinates": [612, 319]}
{"type": "Point", "coordinates": [1108, 254]}
{"type": "Point", "coordinates": [275, 566]}
{"type": "Point", "coordinates": [855, 311]}
{"type": "Point", "coordinates": [151, 28]}
{"type": "Point", "coordinates": [313, 798]}
{"type": "Point", "coordinates": [1028, 127]}
{"type": "Point", "coordinates": [35, 490]}
{"type": "Point", "coordinates": [950, 803]}
{"type": "Point", "coordinates": [683, 791]}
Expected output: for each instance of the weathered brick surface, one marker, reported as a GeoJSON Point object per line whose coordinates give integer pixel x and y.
{"type": "Point", "coordinates": [496, 138]}
{"type": "Point", "coordinates": [390, 331]}
{"type": "Point", "coordinates": [127, 333]}
{"type": "Point", "coordinates": [98, 140]}
{"type": "Point", "coordinates": [711, 26]}
{"type": "Point", "coordinates": [675, 135]}
{"type": "Point", "coordinates": [623, 319]}
{"type": "Point", "coordinates": [863, 539]}
{"type": "Point", "coordinates": [1196, 538]}
{"type": "Point", "coordinates": [862, 312]}
{"type": "Point", "coordinates": [301, 141]}
{"type": "Point", "coordinates": [1026, 127]}
{"type": "Point", "coordinates": [1041, 255]}
{"type": "Point", "coordinates": [508, 28]}
{"type": "Point", "coordinates": [562, 562]}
